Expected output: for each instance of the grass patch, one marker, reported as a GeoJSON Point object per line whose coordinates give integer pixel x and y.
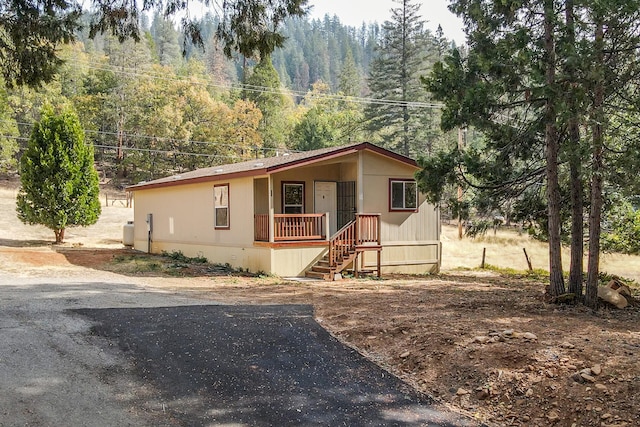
{"type": "Point", "coordinates": [173, 264]}
{"type": "Point", "coordinates": [537, 273]}
{"type": "Point", "coordinates": [136, 264]}
{"type": "Point", "coordinates": [179, 257]}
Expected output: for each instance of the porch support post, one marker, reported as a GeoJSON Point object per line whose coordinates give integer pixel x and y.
{"type": "Point", "coordinates": [355, 263]}
{"type": "Point", "coordinates": [360, 183]}
{"type": "Point", "coordinates": [272, 223]}
{"type": "Point", "coordinates": [327, 231]}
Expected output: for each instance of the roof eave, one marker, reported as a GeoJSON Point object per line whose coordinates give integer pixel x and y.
{"type": "Point", "coordinates": [197, 180]}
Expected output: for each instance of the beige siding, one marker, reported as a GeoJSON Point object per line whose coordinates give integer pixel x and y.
{"type": "Point", "coordinates": [410, 239]}
{"type": "Point", "coordinates": [183, 219]}
{"type": "Point", "coordinates": [256, 259]}
{"type": "Point", "coordinates": [407, 257]}
{"type": "Point", "coordinates": [396, 226]}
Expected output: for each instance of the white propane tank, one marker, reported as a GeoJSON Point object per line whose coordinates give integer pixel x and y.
{"type": "Point", "coordinates": [127, 234]}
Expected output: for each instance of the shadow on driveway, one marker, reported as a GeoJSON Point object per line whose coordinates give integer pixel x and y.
{"type": "Point", "coordinates": [260, 366]}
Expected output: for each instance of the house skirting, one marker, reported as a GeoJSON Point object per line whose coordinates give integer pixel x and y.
{"type": "Point", "coordinates": [406, 257]}
{"type": "Point", "coordinates": [289, 259]}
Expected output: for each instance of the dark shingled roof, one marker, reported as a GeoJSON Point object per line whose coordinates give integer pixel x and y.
{"type": "Point", "coordinates": [267, 165]}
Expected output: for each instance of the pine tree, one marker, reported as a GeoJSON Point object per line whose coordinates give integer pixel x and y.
{"type": "Point", "coordinates": [59, 185]}
{"type": "Point", "coordinates": [263, 88]}
{"type": "Point", "coordinates": [394, 79]}
{"type": "Point", "coordinates": [165, 37]}
{"type": "Point", "coordinates": [514, 101]}
{"type": "Point", "coordinates": [538, 73]}
{"type": "Point", "coordinates": [349, 79]}
{"type": "Point", "coordinates": [32, 32]}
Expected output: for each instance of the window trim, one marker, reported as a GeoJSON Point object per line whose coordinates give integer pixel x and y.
{"type": "Point", "coordinates": [403, 181]}
{"type": "Point", "coordinates": [284, 184]}
{"type": "Point", "coordinates": [215, 208]}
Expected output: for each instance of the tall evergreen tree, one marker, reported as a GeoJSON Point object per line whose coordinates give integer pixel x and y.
{"type": "Point", "coordinates": [165, 38]}
{"type": "Point", "coordinates": [394, 79]}
{"type": "Point", "coordinates": [500, 90]}
{"type": "Point", "coordinates": [32, 32]}
{"type": "Point", "coordinates": [350, 81]}
{"type": "Point", "coordinates": [59, 185]}
{"type": "Point", "coordinates": [263, 88]}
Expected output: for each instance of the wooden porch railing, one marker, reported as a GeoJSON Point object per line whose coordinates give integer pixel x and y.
{"type": "Point", "coordinates": [368, 229]}
{"type": "Point", "coordinates": [290, 227]}
{"type": "Point", "coordinates": [341, 243]}
{"type": "Point", "coordinates": [261, 227]}
{"type": "Point", "coordinates": [362, 231]}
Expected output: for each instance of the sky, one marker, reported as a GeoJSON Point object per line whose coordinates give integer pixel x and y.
{"type": "Point", "coordinates": [354, 12]}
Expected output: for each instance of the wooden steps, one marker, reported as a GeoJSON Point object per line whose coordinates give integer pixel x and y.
{"type": "Point", "coordinates": [358, 236]}
{"type": "Point", "coordinates": [323, 270]}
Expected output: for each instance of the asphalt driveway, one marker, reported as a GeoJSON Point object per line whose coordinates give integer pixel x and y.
{"type": "Point", "coordinates": [259, 366]}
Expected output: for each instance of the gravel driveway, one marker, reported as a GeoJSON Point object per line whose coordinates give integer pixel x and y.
{"type": "Point", "coordinates": [52, 373]}
{"type": "Point", "coordinates": [112, 351]}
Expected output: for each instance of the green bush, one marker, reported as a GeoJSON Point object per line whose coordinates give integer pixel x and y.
{"type": "Point", "coordinates": [623, 234]}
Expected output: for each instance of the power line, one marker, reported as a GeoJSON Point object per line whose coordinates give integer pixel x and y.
{"type": "Point", "coordinates": [180, 153]}
{"type": "Point", "coordinates": [146, 150]}
{"type": "Point", "coordinates": [258, 89]}
{"type": "Point", "coordinates": [160, 138]}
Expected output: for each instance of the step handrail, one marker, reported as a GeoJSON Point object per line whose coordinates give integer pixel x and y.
{"type": "Point", "coordinates": [342, 242]}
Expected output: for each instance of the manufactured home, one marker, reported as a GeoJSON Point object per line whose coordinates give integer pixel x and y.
{"type": "Point", "coordinates": [317, 213]}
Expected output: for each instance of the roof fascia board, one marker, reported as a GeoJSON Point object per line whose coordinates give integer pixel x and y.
{"type": "Point", "coordinates": [198, 180]}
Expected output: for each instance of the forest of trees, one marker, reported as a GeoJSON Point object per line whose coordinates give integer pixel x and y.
{"type": "Point", "coordinates": [164, 105]}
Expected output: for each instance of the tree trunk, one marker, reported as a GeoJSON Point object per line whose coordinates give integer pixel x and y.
{"type": "Point", "coordinates": [577, 211]}
{"type": "Point", "coordinates": [591, 295]}
{"type": "Point", "coordinates": [59, 233]}
{"type": "Point", "coordinates": [575, 166]}
{"type": "Point", "coordinates": [556, 280]}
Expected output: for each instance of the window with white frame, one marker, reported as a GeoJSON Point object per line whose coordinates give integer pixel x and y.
{"type": "Point", "coordinates": [293, 197]}
{"type": "Point", "coordinates": [403, 195]}
{"type": "Point", "coordinates": [221, 205]}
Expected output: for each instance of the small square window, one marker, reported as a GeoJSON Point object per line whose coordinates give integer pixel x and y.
{"type": "Point", "coordinates": [221, 206]}
{"type": "Point", "coordinates": [403, 195]}
{"type": "Point", "coordinates": [293, 198]}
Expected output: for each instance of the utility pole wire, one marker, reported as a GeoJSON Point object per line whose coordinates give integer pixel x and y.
{"type": "Point", "coordinates": [161, 138]}
{"type": "Point", "coordinates": [258, 89]}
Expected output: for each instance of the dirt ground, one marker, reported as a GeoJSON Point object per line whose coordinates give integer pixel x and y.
{"type": "Point", "coordinates": [481, 343]}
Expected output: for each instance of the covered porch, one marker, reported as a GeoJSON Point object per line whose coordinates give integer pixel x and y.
{"type": "Point", "coordinates": [343, 249]}
{"type": "Point", "coordinates": [313, 216]}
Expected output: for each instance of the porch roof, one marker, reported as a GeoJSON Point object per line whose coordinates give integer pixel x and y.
{"type": "Point", "coordinates": [268, 165]}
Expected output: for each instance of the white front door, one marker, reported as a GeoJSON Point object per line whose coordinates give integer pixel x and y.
{"type": "Point", "coordinates": [325, 200]}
